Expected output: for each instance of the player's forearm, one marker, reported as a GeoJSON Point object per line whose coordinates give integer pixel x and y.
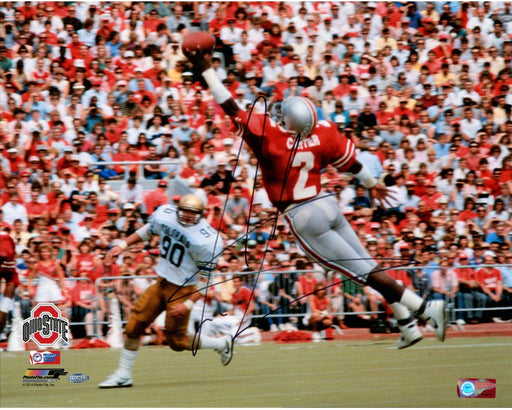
{"type": "Point", "coordinates": [220, 93]}
{"type": "Point", "coordinates": [133, 239]}
{"type": "Point", "coordinates": [363, 174]}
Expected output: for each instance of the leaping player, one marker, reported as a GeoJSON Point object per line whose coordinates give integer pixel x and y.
{"type": "Point", "coordinates": [292, 149]}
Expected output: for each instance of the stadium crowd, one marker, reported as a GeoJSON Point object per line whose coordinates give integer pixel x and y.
{"type": "Point", "coordinates": [423, 89]}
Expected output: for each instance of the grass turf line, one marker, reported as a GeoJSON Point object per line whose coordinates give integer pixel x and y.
{"type": "Point", "coordinates": [327, 374]}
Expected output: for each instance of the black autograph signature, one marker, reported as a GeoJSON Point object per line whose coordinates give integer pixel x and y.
{"type": "Point", "coordinates": [274, 218]}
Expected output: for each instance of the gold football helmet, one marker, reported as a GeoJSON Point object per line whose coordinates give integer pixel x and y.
{"type": "Point", "coordinates": [190, 210]}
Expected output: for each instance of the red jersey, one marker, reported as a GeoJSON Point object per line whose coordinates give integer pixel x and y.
{"type": "Point", "coordinates": [219, 223]}
{"type": "Point", "coordinates": [151, 24]}
{"type": "Point", "coordinates": [465, 273]}
{"type": "Point", "coordinates": [489, 278]}
{"type": "Point", "coordinates": [83, 292]}
{"type": "Point", "coordinates": [124, 157]}
{"type": "Point", "coordinates": [7, 263]}
{"type": "Point", "coordinates": [432, 201]}
{"type": "Point", "coordinates": [50, 271]}
{"type": "Point", "coordinates": [291, 171]}
{"type": "Point", "coordinates": [341, 90]}
{"type": "Point", "coordinates": [400, 276]}
{"type": "Point", "coordinates": [319, 304]}
{"type": "Point", "coordinates": [307, 285]}
{"type": "Point", "coordinates": [467, 214]}
{"type": "Point", "coordinates": [462, 151]}
{"type": "Point", "coordinates": [14, 162]}
{"type": "Point", "coordinates": [399, 111]}
{"type": "Point", "coordinates": [41, 77]}
{"type": "Point", "coordinates": [154, 199]}
{"type": "Point", "coordinates": [242, 298]}
{"type": "Point", "coordinates": [35, 209]}
{"type": "Point", "coordinates": [99, 271]}
{"type": "Point", "coordinates": [255, 66]}
{"type": "Point", "coordinates": [74, 50]}
{"type": "Point", "coordinates": [84, 262]}
{"type": "Point", "coordinates": [101, 215]}
{"type": "Point", "coordinates": [383, 117]}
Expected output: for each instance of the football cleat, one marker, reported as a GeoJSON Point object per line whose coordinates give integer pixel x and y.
{"type": "Point", "coordinates": [226, 354]}
{"type": "Point", "coordinates": [114, 381]}
{"type": "Point", "coordinates": [435, 316]}
{"type": "Point", "coordinates": [410, 334]}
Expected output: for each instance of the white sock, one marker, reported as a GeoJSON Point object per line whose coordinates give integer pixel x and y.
{"type": "Point", "coordinates": [411, 300]}
{"type": "Point", "coordinates": [126, 361]}
{"type": "Point", "coordinates": [216, 343]}
{"type": "Point", "coordinates": [400, 311]}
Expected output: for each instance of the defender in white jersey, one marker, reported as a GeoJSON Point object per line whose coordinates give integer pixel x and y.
{"type": "Point", "coordinates": [189, 247]}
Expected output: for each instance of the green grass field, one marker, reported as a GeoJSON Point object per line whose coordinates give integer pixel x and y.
{"type": "Point", "coordinates": [326, 374]}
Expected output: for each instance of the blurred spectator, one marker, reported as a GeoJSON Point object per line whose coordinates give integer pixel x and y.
{"type": "Point", "coordinates": [283, 289]}
{"type": "Point", "coordinates": [83, 296]}
{"type": "Point", "coordinates": [305, 287]}
{"type": "Point", "coordinates": [320, 311]}
{"type": "Point", "coordinates": [506, 274]}
{"type": "Point", "coordinates": [14, 210]}
{"type": "Point", "coordinates": [50, 278]}
{"type": "Point", "coordinates": [159, 196]}
{"type": "Point", "coordinates": [237, 205]}
{"type": "Point", "coordinates": [469, 295]}
{"type": "Point", "coordinates": [355, 303]}
{"type": "Point", "coordinates": [445, 284]}
{"type": "Point", "coordinates": [126, 292]}
{"type": "Point", "coordinates": [84, 261]}
{"type": "Point", "coordinates": [131, 192]}
{"type": "Point", "coordinates": [491, 283]}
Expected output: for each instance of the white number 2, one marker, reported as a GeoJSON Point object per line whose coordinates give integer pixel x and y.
{"type": "Point", "coordinates": [305, 160]}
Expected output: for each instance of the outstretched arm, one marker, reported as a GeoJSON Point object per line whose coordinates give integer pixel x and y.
{"type": "Point", "coordinates": [141, 234]}
{"type": "Point", "coordinates": [202, 63]}
{"type": "Point", "coordinates": [377, 190]}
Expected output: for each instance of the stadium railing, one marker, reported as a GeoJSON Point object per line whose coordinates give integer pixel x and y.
{"type": "Point", "coordinates": [69, 288]}
{"type": "Point", "coordinates": [451, 309]}
{"type": "Point", "coordinates": [146, 183]}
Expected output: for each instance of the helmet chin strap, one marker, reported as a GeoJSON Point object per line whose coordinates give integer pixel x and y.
{"type": "Point", "coordinates": [182, 221]}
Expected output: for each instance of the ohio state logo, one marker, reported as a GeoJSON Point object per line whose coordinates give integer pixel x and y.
{"type": "Point", "coordinates": [45, 326]}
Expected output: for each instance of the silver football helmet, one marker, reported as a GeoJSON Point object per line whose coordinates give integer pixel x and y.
{"type": "Point", "coordinates": [190, 210]}
{"type": "Point", "coordinates": [297, 115]}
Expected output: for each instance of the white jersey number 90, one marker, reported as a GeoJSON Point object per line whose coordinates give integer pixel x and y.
{"type": "Point", "coordinates": [173, 252]}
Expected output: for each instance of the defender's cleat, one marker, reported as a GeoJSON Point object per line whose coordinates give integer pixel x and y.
{"type": "Point", "coordinates": [435, 316]}
{"type": "Point", "coordinates": [409, 334]}
{"type": "Point", "coordinates": [114, 381]}
{"type": "Point", "coordinates": [226, 354]}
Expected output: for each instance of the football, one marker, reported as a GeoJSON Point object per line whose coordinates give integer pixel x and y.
{"type": "Point", "coordinates": [199, 41]}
